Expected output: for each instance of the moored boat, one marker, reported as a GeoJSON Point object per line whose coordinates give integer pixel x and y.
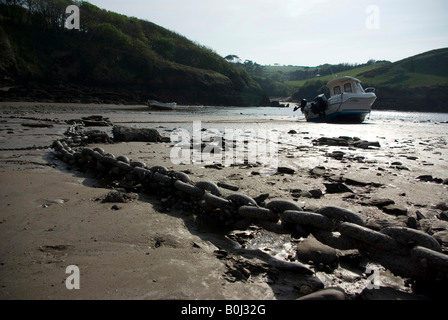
{"type": "Point", "coordinates": [153, 104]}
{"type": "Point", "coordinates": [348, 103]}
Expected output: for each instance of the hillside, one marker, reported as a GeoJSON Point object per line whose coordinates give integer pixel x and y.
{"type": "Point", "coordinates": [418, 83]}
{"type": "Point", "coordinates": [110, 59]}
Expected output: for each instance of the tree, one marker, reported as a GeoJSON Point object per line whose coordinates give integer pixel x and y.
{"type": "Point", "coordinates": [232, 58]}
{"type": "Point", "coordinates": [165, 47]}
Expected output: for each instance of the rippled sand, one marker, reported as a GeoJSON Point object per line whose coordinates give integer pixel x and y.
{"type": "Point", "coordinates": [52, 217]}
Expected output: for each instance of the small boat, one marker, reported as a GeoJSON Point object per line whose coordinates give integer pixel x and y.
{"type": "Point", "coordinates": [153, 104]}
{"type": "Point", "coordinates": [348, 103]}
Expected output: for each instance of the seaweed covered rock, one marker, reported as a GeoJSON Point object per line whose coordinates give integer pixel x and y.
{"type": "Point", "coordinates": [126, 134]}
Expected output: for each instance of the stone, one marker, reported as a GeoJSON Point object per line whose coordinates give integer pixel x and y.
{"type": "Point", "coordinates": [316, 193]}
{"type": "Point", "coordinates": [311, 249]}
{"type": "Point", "coordinates": [395, 210]}
{"type": "Point", "coordinates": [287, 170]}
{"type": "Point", "coordinates": [425, 177]}
{"type": "Point", "coordinates": [228, 186]}
{"type": "Point", "coordinates": [319, 171]}
{"type": "Point", "coordinates": [378, 224]}
{"type": "Point", "coordinates": [443, 215]}
{"type": "Point", "coordinates": [387, 293]}
{"type": "Point", "coordinates": [346, 142]}
{"type": "Point", "coordinates": [337, 188]}
{"type": "Point", "coordinates": [442, 206]}
{"type": "Point", "coordinates": [96, 121]}
{"type": "Point", "coordinates": [126, 134]}
{"type": "Point", "coordinates": [325, 294]}
{"type": "Point", "coordinates": [377, 202]}
{"type": "Point", "coordinates": [119, 197]}
{"type": "Point", "coordinates": [442, 237]}
{"type": "Point", "coordinates": [338, 155]}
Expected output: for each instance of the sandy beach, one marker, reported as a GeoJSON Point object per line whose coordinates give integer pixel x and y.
{"type": "Point", "coordinates": [53, 216]}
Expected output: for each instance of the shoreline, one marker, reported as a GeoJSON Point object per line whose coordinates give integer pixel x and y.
{"type": "Point", "coordinates": [139, 252]}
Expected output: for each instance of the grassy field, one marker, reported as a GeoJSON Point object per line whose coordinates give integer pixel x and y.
{"type": "Point", "coordinates": [353, 73]}
{"type": "Point", "coordinates": [429, 69]}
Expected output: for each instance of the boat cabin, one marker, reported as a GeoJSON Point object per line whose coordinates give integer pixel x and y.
{"type": "Point", "coordinates": [345, 85]}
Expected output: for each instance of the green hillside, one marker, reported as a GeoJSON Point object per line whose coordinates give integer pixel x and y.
{"type": "Point", "coordinates": [355, 72]}
{"type": "Point", "coordinates": [424, 70]}
{"type": "Point", "coordinates": [418, 83]}
{"type": "Point", "coordinates": [111, 58]}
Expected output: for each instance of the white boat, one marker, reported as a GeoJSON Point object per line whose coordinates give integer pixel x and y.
{"type": "Point", "coordinates": [348, 103]}
{"type": "Point", "coordinates": [153, 104]}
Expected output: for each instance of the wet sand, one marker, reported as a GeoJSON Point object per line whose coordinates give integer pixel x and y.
{"type": "Point", "coordinates": [52, 216]}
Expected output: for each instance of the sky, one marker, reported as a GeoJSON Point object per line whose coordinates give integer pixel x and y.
{"type": "Point", "coordinates": [300, 32]}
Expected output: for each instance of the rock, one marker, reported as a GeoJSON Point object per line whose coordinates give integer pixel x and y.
{"type": "Point", "coordinates": [126, 134]}
{"type": "Point", "coordinates": [316, 193]}
{"type": "Point", "coordinates": [120, 197]}
{"type": "Point", "coordinates": [338, 155]}
{"type": "Point", "coordinates": [325, 294]}
{"type": "Point", "coordinates": [377, 202]}
{"type": "Point", "coordinates": [346, 141]}
{"type": "Point", "coordinates": [419, 215]}
{"type": "Point", "coordinates": [387, 293]}
{"type": "Point", "coordinates": [297, 193]}
{"type": "Point", "coordinates": [441, 237]}
{"type": "Point", "coordinates": [96, 136]}
{"type": "Point", "coordinates": [228, 186]}
{"type": "Point", "coordinates": [337, 188]}
{"type": "Point", "coordinates": [442, 206]}
{"type": "Point", "coordinates": [260, 200]}
{"type": "Point", "coordinates": [395, 210]}
{"type": "Point", "coordinates": [425, 177]}
{"type": "Point", "coordinates": [443, 215]}
{"type": "Point", "coordinates": [96, 121]}
{"type": "Point", "coordinates": [311, 249]}
{"type": "Point", "coordinates": [319, 171]}
{"type": "Point", "coordinates": [401, 167]}
{"type": "Point", "coordinates": [287, 170]}
{"type": "Point", "coordinates": [356, 182]}
{"type": "Point", "coordinates": [38, 125]}
{"type": "Point", "coordinates": [378, 224]}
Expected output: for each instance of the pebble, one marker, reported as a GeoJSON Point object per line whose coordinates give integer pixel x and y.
{"type": "Point", "coordinates": [395, 209]}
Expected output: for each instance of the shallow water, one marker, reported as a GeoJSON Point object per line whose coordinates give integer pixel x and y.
{"type": "Point", "coordinates": [289, 112]}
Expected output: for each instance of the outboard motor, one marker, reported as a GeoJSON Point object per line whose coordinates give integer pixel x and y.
{"type": "Point", "coordinates": [303, 104]}
{"type": "Point", "coordinates": [320, 104]}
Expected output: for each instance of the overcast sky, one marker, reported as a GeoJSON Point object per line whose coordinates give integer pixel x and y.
{"type": "Point", "coordinates": [300, 32]}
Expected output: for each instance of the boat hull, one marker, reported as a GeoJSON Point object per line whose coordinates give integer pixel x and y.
{"type": "Point", "coordinates": [155, 105]}
{"type": "Point", "coordinates": [352, 110]}
{"type": "Point", "coordinates": [341, 117]}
